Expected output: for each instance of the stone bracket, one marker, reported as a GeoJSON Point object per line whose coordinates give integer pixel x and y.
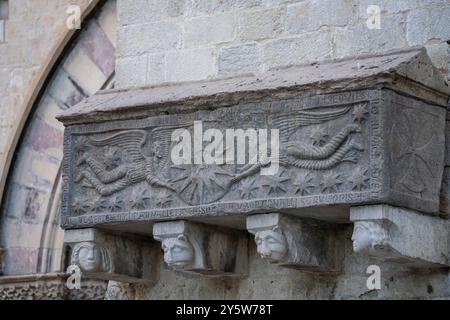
{"type": "Point", "coordinates": [400, 235]}
{"type": "Point", "coordinates": [105, 256]}
{"type": "Point", "coordinates": [202, 249]}
{"type": "Point", "coordinates": [295, 243]}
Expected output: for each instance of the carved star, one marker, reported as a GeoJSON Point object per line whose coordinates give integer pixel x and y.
{"type": "Point", "coordinates": [359, 179]}
{"type": "Point", "coordinates": [139, 199]}
{"type": "Point", "coordinates": [99, 205]}
{"type": "Point", "coordinates": [303, 184]}
{"type": "Point", "coordinates": [116, 204]}
{"type": "Point", "coordinates": [81, 206]}
{"type": "Point", "coordinates": [200, 180]}
{"type": "Point", "coordinates": [360, 113]}
{"type": "Point", "coordinates": [319, 136]}
{"type": "Point", "coordinates": [247, 188]}
{"type": "Point", "coordinates": [330, 182]}
{"type": "Point", "coordinates": [275, 183]}
{"type": "Point", "coordinates": [163, 198]}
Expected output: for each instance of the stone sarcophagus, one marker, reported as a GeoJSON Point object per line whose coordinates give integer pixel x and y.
{"type": "Point", "coordinates": [310, 142]}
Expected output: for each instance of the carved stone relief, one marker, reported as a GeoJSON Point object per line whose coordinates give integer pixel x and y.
{"type": "Point", "coordinates": [417, 143]}
{"type": "Point", "coordinates": [358, 137]}
{"type": "Point", "coordinates": [49, 287]}
{"type": "Point", "coordinates": [119, 291]}
{"type": "Point", "coordinates": [400, 235]}
{"type": "Point", "coordinates": [295, 243]}
{"type": "Point", "coordinates": [101, 255]}
{"type": "Point", "coordinates": [197, 248]}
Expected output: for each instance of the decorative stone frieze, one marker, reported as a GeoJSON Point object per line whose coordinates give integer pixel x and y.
{"type": "Point", "coordinates": [122, 258]}
{"type": "Point", "coordinates": [357, 132]}
{"type": "Point", "coordinates": [401, 235]}
{"type": "Point", "coordinates": [197, 248]}
{"type": "Point", "coordinates": [50, 286]}
{"type": "Point", "coordinates": [119, 291]}
{"type": "Point", "coordinates": [295, 243]}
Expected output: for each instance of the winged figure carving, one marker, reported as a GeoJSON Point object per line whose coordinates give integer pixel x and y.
{"type": "Point", "coordinates": [298, 154]}
{"type": "Point", "coordinates": [309, 156]}
{"type": "Point", "coordinates": [124, 161]}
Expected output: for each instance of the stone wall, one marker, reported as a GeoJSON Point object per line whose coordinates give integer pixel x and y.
{"type": "Point", "coordinates": [29, 225]}
{"type": "Point", "coordinates": [267, 281]}
{"type": "Point", "coordinates": [32, 29]}
{"type": "Point", "coordinates": [183, 40]}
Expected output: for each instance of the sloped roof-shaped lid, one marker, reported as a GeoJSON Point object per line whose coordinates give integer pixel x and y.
{"type": "Point", "coordinates": [413, 65]}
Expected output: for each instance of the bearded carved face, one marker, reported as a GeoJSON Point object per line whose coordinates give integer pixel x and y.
{"type": "Point", "coordinates": [178, 252]}
{"type": "Point", "coordinates": [91, 258]}
{"type": "Point", "coordinates": [271, 245]}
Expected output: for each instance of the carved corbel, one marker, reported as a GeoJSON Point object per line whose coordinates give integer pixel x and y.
{"type": "Point", "coordinates": [202, 249]}
{"type": "Point", "coordinates": [295, 243]}
{"type": "Point", "coordinates": [105, 256]}
{"type": "Point", "coordinates": [400, 235]}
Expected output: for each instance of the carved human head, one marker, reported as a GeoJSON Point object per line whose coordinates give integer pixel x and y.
{"type": "Point", "coordinates": [112, 157]}
{"type": "Point", "coordinates": [370, 236]}
{"type": "Point", "coordinates": [91, 257]}
{"type": "Point", "coordinates": [271, 244]}
{"type": "Point", "coordinates": [178, 251]}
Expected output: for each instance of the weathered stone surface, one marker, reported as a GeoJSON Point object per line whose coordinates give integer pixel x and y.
{"type": "Point", "coordinates": [2, 31]}
{"type": "Point", "coordinates": [119, 291]}
{"type": "Point", "coordinates": [50, 286]}
{"type": "Point", "coordinates": [353, 147]}
{"type": "Point", "coordinates": [196, 248]}
{"type": "Point", "coordinates": [190, 65]}
{"type": "Point", "coordinates": [209, 30]}
{"type": "Point", "coordinates": [260, 24]}
{"type": "Point", "coordinates": [294, 243]}
{"type": "Point", "coordinates": [2, 251]}
{"type": "Point", "coordinates": [105, 256]}
{"type": "Point", "coordinates": [400, 235]}
{"type": "Point", "coordinates": [242, 58]}
{"type": "Point", "coordinates": [445, 194]}
{"type": "Point", "coordinates": [311, 15]}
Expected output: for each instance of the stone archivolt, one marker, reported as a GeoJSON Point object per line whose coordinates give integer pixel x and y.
{"type": "Point", "coordinates": [349, 137]}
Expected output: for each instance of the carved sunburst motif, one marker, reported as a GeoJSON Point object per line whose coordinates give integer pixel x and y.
{"type": "Point", "coordinates": [330, 182]}
{"type": "Point", "coordinates": [163, 198]}
{"type": "Point", "coordinates": [139, 199]}
{"type": "Point", "coordinates": [360, 113]}
{"type": "Point", "coordinates": [359, 179]}
{"type": "Point", "coordinates": [247, 188]}
{"type": "Point", "coordinates": [116, 203]}
{"type": "Point", "coordinates": [275, 184]}
{"type": "Point", "coordinates": [200, 184]}
{"type": "Point", "coordinates": [81, 206]}
{"type": "Point", "coordinates": [99, 205]}
{"type": "Point", "coordinates": [303, 183]}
